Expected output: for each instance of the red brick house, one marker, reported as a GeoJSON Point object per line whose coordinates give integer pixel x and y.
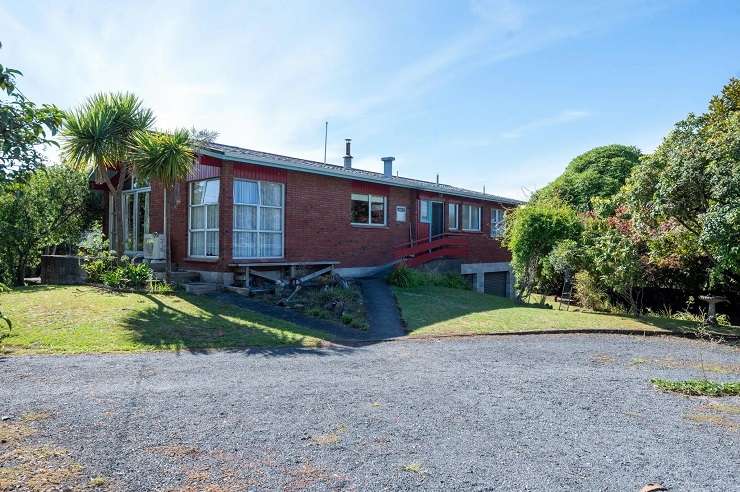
{"type": "Point", "coordinates": [243, 210]}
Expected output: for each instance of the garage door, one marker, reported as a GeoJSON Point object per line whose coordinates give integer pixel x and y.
{"type": "Point", "coordinates": [495, 283]}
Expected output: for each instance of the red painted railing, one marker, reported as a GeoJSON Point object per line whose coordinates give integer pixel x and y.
{"type": "Point", "coordinates": [417, 252]}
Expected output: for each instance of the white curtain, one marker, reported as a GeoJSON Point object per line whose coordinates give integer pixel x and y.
{"type": "Point", "coordinates": [197, 243]}
{"type": "Point", "coordinates": [270, 219]}
{"type": "Point", "coordinates": [197, 217]}
{"type": "Point", "coordinates": [272, 194]}
{"type": "Point", "coordinates": [246, 192]}
{"type": "Point", "coordinates": [258, 210]}
{"type": "Point", "coordinates": [245, 217]}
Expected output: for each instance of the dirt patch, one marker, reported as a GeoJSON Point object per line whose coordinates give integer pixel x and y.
{"type": "Point", "coordinates": [331, 437]}
{"type": "Point", "coordinates": [671, 363]}
{"type": "Point", "coordinates": [716, 420]}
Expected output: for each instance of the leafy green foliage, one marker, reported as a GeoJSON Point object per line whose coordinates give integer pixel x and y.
{"type": "Point", "coordinates": [24, 129]}
{"type": "Point", "coordinates": [690, 186]}
{"type": "Point", "coordinates": [405, 277]}
{"type": "Point", "coordinates": [128, 275]}
{"type": "Point", "coordinates": [600, 172]}
{"type": "Point", "coordinates": [698, 387]}
{"type": "Point", "coordinates": [533, 231]}
{"type": "Point", "coordinates": [45, 210]}
{"type": "Point", "coordinates": [166, 157]}
{"type": "Point", "coordinates": [589, 293]}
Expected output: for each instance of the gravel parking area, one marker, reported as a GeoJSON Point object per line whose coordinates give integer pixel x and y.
{"type": "Point", "coordinates": [541, 412]}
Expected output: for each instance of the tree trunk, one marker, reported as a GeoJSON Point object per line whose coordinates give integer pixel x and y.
{"type": "Point", "coordinates": [20, 271]}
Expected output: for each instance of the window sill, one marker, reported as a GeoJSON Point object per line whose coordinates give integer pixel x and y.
{"type": "Point", "coordinates": [203, 259]}
{"type": "Point", "coordinates": [472, 231]}
{"type": "Point", "coordinates": [370, 226]}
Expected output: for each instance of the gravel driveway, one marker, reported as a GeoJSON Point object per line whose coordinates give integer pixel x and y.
{"type": "Point", "coordinates": [542, 412]}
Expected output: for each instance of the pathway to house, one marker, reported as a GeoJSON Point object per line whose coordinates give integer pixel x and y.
{"type": "Point", "coordinates": [383, 315]}
{"type": "Point", "coordinates": [544, 412]}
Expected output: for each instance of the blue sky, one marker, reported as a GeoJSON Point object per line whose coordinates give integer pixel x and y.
{"type": "Point", "coordinates": [497, 93]}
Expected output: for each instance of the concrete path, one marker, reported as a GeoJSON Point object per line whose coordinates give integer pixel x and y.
{"type": "Point", "coordinates": [382, 310]}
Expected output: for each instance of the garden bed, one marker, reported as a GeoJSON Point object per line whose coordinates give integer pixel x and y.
{"type": "Point", "coordinates": [331, 302]}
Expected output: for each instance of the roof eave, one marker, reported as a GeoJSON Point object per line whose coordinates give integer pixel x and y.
{"type": "Point", "coordinates": [343, 175]}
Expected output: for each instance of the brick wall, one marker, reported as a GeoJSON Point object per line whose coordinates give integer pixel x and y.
{"type": "Point", "coordinates": [317, 219]}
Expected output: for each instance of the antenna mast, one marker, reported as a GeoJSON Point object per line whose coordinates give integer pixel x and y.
{"type": "Point", "coordinates": [326, 134]}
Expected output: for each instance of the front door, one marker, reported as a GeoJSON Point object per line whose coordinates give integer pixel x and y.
{"type": "Point", "coordinates": [437, 219]}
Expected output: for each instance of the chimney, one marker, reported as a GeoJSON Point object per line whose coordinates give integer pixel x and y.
{"type": "Point", "coordinates": [348, 155]}
{"type": "Point", "coordinates": [388, 166]}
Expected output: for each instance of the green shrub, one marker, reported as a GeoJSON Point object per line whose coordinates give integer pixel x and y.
{"type": "Point", "coordinates": [698, 387]}
{"type": "Point", "coordinates": [589, 293]}
{"type": "Point", "coordinates": [159, 287]}
{"type": "Point", "coordinates": [347, 319]}
{"type": "Point", "coordinates": [128, 276]}
{"type": "Point", "coordinates": [405, 277]}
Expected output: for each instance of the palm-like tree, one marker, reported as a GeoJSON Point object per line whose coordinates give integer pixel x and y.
{"type": "Point", "coordinates": [98, 136]}
{"type": "Point", "coordinates": [166, 157]}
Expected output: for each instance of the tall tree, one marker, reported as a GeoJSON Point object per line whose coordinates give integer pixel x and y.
{"type": "Point", "coordinates": [45, 210]}
{"type": "Point", "coordinates": [597, 173]}
{"type": "Point", "coordinates": [166, 158]}
{"type": "Point", "coordinates": [24, 128]}
{"type": "Point", "coordinates": [99, 137]}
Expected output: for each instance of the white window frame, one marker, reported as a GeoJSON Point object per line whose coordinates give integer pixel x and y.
{"type": "Point", "coordinates": [425, 211]}
{"type": "Point", "coordinates": [137, 194]}
{"type": "Point", "coordinates": [497, 226]}
{"type": "Point", "coordinates": [259, 229]}
{"type": "Point", "coordinates": [456, 214]}
{"type": "Point", "coordinates": [206, 229]}
{"type": "Point", "coordinates": [464, 225]}
{"type": "Point", "coordinates": [369, 210]}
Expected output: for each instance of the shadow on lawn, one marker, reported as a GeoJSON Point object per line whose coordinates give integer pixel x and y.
{"type": "Point", "coordinates": [429, 306]}
{"type": "Point", "coordinates": [216, 325]}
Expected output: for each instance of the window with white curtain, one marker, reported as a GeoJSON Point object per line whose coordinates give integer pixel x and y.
{"type": "Point", "coordinates": [452, 216]}
{"type": "Point", "coordinates": [203, 218]}
{"type": "Point", "coordinates": [425, 211]}
{"type": "Point", "coordinates": [258, 219]}
{"type": "Point", "coordinates": [497, 222]}
{"type": "Point", "coordinates": [470, 218]}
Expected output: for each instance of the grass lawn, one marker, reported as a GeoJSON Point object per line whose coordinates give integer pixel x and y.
{"type": "Point", "coordinates": [444, 311]}
{"type": "Point", "coordinates": [74, 319]}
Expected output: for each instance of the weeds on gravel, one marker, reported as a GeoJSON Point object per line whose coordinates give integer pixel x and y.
{"type": "Point", "coordinates": [413, 468]}
{"type": "Point", "coordinates": [718, 420]}
{"type": "Point", "coordinates": [698, 387]}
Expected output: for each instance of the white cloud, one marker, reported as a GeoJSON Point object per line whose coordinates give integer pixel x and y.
{"type": "Point", "coordinates": [567, 116]}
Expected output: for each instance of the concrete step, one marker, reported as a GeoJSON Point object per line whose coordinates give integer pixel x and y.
{"type": "Point", "coordinates": [243, 291]}
{"type": "Point", "coordinates": [199, 288]}
{"type": "Point", "coordinates": [181, 278]}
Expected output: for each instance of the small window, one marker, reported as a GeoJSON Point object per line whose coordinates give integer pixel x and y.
{"type": "Point", "coordinates": [471, 218]}
{"type": "Point", "coordinates": [452, 216]}
{"type": "Point", "coordinates": [203, 219]}
{"type": "Point", "coordinates": [425, 211]}
{"type": "Point", "coordinates": [368, 209]}
{"type": "Point", "coordinates": [498, 222]}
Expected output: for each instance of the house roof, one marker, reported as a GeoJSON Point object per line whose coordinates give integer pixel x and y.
{"type": "Point", "coordinates": [240, 154]}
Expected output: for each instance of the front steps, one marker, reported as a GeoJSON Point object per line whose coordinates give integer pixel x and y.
{"type": "Point", "coordinates": [200, 288]}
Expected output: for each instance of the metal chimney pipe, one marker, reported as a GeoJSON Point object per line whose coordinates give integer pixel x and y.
{"type": "Point", "coordinates": [348, 154]}
{"type": "Point", "coordinates": [388, 166]}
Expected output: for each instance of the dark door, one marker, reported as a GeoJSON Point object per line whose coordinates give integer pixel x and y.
{"type": "Point", "coordinates": [437, 219]}
{"type": "Point", "coordinates": [495, 283]}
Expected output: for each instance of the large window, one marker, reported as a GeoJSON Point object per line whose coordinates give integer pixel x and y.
{"type": "Point", "coordinates": [203, 219]}
{"type": "Point", "coordinates": [368, 209]}
{"type": "Point", "coordinates": [258, 219]}
{"type": "Point", "coordinates": [135, 215]}
{"type": "Point", "coordinates": [452, 216]}
{"type": "Point", "coordinates": [470, 218]}
{"type": "Point", "coordinates": [497, 222]}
